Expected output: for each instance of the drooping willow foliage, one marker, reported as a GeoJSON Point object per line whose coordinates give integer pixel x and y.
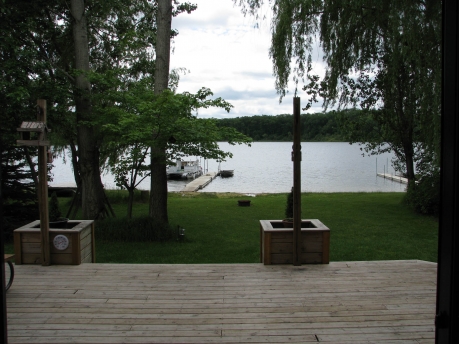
{"type": "Point", "coordinates": [382, 56]}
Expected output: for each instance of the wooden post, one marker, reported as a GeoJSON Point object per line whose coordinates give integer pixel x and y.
{"type": "Point", "coordinates": [43, 189]}
{"type": "Point", "coordinates": [297, 158]}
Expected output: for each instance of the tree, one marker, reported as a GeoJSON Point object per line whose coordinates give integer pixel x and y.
{"type": "Point", "coordinates": [128, 126]}
{"type": "Point", "coordinates": [128, 166]}
{"type": "Point", "coordinates": [158, 204]}
{"type": "Point", "coordinates": [93, 204]}
{"type": "Point", "coordinates": [83, 82]}
{"type": "Point", "coordinates": [19, 198]}
{"type": "Point", "coordinates": [121, 42]}
{"type": "Point", "coordinates": [384, 56]}
{"type": "Point", "coordinates": [18, 95]}
{"type": "Point", "coordinates": [158, 158]}
{"type": "Point", "coordinates": [115, 37]}
{"type": "Point", "coordinates": [398, 57]}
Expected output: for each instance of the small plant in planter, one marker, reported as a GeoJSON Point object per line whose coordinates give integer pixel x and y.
{"type": "Point", "coordinates": [55, 219]}
{"type": "Point", "coordinates": [289, 211]}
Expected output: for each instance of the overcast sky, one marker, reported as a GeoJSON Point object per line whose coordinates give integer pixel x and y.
{"type": "Point", "coordinates": [227, 52]}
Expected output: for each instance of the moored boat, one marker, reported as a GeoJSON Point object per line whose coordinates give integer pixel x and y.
{"type": "Point", "coordinates": [225, 173]}
{"type": "Point", "coordinates": [184, 170]}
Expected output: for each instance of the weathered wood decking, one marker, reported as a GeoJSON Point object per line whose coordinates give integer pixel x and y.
{"type": "Point", "coordinates": [200, 182]}
{"type": "Point", "coordinates": [343, 302]}
{"type": "Point", "coordinates": [393, 177]}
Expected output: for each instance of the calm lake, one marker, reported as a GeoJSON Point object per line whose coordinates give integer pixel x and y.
{"type": "Point", "coordinates": [266, 167]}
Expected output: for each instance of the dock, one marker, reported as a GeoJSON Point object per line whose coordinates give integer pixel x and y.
{"type": "Point", "coordinates": [62, 189]}
{"type": "Point", "coordinates": [393, 177]}
{"type": "Point", "coordinates": [200, 182]}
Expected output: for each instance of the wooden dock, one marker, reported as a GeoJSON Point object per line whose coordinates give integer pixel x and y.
{"type": "Point", "coordinates": [200, 182]}
{"type": "Point", "coordinates": [393, 177]}
{"type": "Point", "coordinates": [391, 302]}
{"type": "Point", "coordinates": [62, 189]}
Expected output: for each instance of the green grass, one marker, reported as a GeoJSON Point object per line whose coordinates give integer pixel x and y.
{"type": "Point", "coordinates": [364, 226]}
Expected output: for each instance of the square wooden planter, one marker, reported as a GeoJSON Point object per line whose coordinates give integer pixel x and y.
{"type": "Point", "coordinates": [276, 242]}
{"type": "Point", "coordinates": [81, 249]}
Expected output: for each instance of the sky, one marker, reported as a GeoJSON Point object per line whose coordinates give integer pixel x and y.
{"type": "Point", "coordinates": [225, 51]}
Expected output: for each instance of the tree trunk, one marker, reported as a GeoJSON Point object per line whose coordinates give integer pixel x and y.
{"type": "Point", "coordinates": [88, 147]}
{"type": "Point", "coordinates": [31, 164]}
{"type": "Point", "coordinates": [76, 167]}
{"type": "Point", "coordinates": [130, 202]}
{"type": "Point", "coordinates": [158, 203]}
{"type": "Point", "coordinates": [409, 155]}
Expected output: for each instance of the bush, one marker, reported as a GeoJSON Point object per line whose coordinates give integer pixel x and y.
{"type": "Point", "coordinates": [289, 211]}
{"type": "Point", "coordinates": [121, 196]}
{"type": "Point", "coordinates": [134, 230]}
{"type": "Point", "coordinates": [424, 196]}
{"type": "Point", "coordinates": [54, 212]}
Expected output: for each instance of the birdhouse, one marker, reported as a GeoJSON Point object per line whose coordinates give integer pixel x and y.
{"type": "Point", "coordinates": [33, 133]}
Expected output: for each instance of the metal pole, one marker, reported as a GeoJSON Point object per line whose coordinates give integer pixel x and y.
{"type": "Point", "coordinates": [297, 157]}
{"type": "Point", "coordinates": [43, 189]}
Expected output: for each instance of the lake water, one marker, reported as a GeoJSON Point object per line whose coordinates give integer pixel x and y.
{"type": "Point", "coordinates": [266, 167]}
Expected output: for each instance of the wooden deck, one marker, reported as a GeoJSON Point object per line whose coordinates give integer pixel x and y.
{"type": "Point", "coordinates": [343, 302]}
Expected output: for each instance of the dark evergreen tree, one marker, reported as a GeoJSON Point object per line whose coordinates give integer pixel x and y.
{"type": "Point", "coordinates": [20, 203]}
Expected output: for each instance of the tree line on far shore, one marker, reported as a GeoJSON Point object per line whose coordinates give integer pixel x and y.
{"type": "Point", "coordinates": [316, 127]}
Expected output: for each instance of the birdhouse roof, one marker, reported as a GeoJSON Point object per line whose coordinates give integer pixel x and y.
{"type": "Point", "coordinates": [33, 126]}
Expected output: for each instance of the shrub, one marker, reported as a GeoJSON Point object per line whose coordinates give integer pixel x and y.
{"type": "Point", "coordinates": [424, 197]}
{"type": "Point", "coordinates": [54, 212]}
{"type": "Point", "coordinates": [121, 196]}
{"type": "Point", "coordinates": [134, 230]}
{"type": "Point", "coordinates": [289, 212]}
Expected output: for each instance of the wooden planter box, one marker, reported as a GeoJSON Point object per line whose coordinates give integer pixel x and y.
{"type": "Point", "coordinates": [276, 242]}
{"type": "Point", "coordinates": [81, 249]}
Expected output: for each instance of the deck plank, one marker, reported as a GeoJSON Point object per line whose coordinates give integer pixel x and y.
{"type": "Point", "coordinates": [343, 302]}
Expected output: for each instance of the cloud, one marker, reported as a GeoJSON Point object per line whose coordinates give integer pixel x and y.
{"type": "Point", "coordinates": [224, 51]}
{"type": "Point", "coordinates": [229, 93]}
{"type": "Point", "coordinates": [213, 14]}
{"type": "Point", "coordinates": [258, 75]}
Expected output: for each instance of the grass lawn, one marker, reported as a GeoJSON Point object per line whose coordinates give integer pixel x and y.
{"type": "Point", "coordinates": [364, 226]}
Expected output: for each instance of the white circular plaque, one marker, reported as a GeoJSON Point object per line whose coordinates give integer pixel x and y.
{"type": "Point", "coordinates": [61, 242]}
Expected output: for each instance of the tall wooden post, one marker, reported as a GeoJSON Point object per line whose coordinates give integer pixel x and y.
{"type": "Point", "coordinates": [297, 158]}
{"type": "Point", "coordinates": [43, 189]}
